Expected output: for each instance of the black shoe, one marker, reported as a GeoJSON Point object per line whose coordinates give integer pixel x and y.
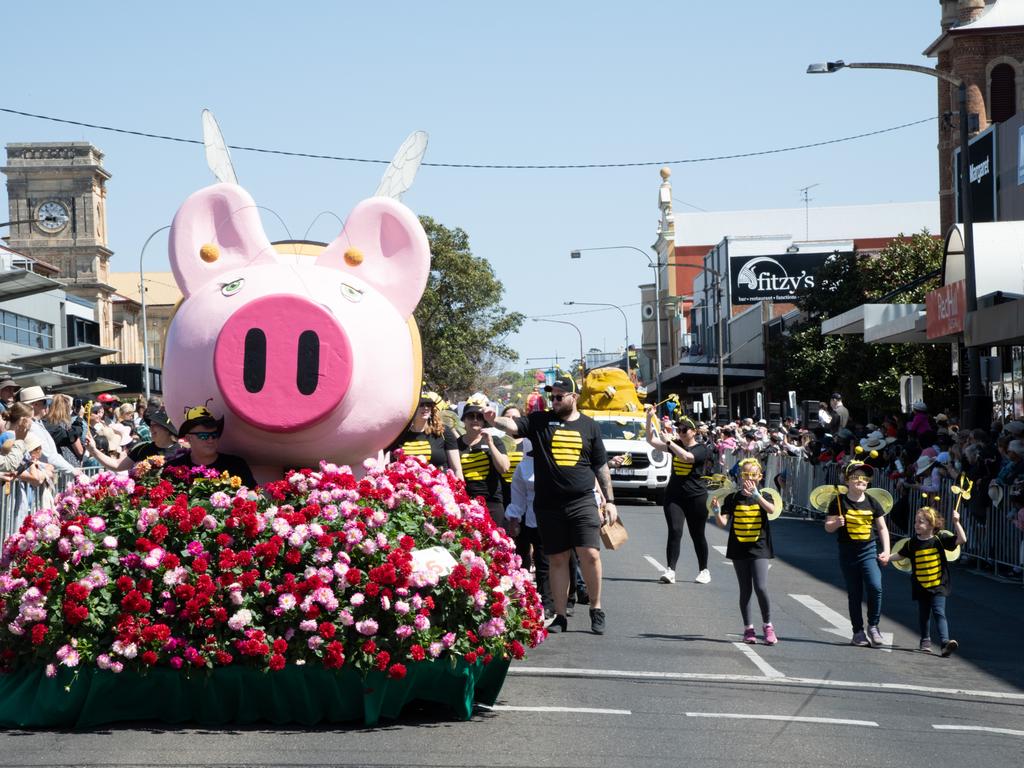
{"type": "Point", "coordinates": [558, 624]}
{"type": "Point", "coordinates": [949, 648]}
{"type": "Point", "coordinates": [597, 621]}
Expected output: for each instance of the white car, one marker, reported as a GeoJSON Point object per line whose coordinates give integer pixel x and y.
{"type": "Point", "coordinates": [646, 469]}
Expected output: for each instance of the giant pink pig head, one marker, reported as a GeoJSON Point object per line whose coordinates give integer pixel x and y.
{"type": "Point", "coordinates": [306, 361]}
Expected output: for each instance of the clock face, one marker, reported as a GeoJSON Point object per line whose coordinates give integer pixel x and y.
{"type": "Point", "coordinates": [52, 216]}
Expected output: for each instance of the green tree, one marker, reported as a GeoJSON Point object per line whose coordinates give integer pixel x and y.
{"type": "Point", "coordinates": [866, 374]}
{"type": "Point", "coordinates": [462, 323]}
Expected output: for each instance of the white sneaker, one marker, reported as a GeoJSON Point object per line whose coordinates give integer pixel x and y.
{"type": "Point", "coordinates": [668, 577]}
{"type": "Point", "coordinates": [703, 577]}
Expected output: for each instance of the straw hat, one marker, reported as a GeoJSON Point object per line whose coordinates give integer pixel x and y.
{"type": "Point", "coordinates": [923, 464]}
{"type": "Point", "coordinates": [876, 441]}
{"type": "Point", "coordinates": [29, 395]}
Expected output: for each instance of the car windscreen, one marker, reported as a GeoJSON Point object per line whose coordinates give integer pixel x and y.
{"type": "Point", "coordinates": [622, 429]}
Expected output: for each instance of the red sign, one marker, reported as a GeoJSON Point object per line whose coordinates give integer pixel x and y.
{"type": "Point", "coordinates": [945, 310]}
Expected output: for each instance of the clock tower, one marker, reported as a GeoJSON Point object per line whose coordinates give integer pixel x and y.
{"type": "Point", "coordinates": [58, 191]}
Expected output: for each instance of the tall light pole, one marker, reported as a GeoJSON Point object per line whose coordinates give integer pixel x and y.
{"type": "Point", "coordinates": [583, 360]}
{"type": "Point", "coordinates": [975, 399]}
{"type": "Point", "coordinates": [625, 320]}
{"type": "Point", "coordinates": [656, 265]}
{"type": "Point", "coordinates": [142, 300]}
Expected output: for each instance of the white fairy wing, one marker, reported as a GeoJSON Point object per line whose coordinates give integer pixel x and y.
{"type": "Point", "coordinates": [400, 173]}
{"type": "Point", "coordinates": [217, 156]}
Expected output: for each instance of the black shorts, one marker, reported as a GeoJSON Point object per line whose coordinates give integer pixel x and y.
{"type": "Point", "coordinates": [570, 523]}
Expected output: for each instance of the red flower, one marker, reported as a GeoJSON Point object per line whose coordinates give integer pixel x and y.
{"type": "Point", "coordinates": [149, 657]}
{"type": "Point", "coordinates": [382, 659]}
{"type": "Point", "coordinates": [38, 633]}
{"type": "Point", "coordinates": [326, 630]}
{"type": "Point", "coordinates": [334, 655]}
{"type": "Point", "coordinates": [76, 591]}
{"type": "Point", "coordinates": [397, 671]}
{"type": "Point", "coordinates": [276, 662]}
{"type": "Point", "coordinates": [124, 583]}
{"type": "Point", "coordinates": [354, 576]}
{"type": "Point", "coordinates": [417, 653]}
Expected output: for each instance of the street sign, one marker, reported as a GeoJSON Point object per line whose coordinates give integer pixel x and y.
{"type": "Point", "coordinates": [708, 400]}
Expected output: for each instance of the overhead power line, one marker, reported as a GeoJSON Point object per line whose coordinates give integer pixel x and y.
{"type": "Point", "coordinates": [493, 166]}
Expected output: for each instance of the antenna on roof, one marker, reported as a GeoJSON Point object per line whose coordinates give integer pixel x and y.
{"type": "Point", "coordinates": [807, 211]}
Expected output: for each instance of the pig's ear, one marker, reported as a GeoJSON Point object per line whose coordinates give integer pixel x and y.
{"type": "Point", "coordinates": [383, 244]}
{"type": "Point", "coordinates": [217, 231]}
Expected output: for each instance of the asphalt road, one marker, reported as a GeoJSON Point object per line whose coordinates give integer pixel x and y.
{"type": "Point", "coordinates": [670, 684]}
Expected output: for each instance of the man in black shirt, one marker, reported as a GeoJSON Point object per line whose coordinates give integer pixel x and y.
{"type": "Point", "coordinates": [568, 454]}
{"type": "Point", "coordinates": [202, 432]}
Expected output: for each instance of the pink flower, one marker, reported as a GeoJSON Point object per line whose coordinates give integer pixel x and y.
{"type": "Point", "coordinates": [240, 619]}
{"type": "Point", "coordinates": [367, 627]}
{"type": "Point", "coordinates": [51, 670]}
{"type": "Point", "coordinates": [421, 622]}
{"type": "Point", "coordinates": [286, 601]}
{"type": "Point", "coordinates": [435, 649]}
{"type": "Point", "coordinates": [110, 542]}
{"type": "Point", "coordinates": [97, 524]}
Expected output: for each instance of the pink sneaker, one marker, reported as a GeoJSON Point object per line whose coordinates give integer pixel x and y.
{"type": "Point", "coordinates": [749, 636]}
{"type": "Point", "coordinates": [770, 638]}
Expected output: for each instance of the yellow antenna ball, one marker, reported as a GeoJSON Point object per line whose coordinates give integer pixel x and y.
{"type": "Point", "coordinates": [354, 257]}
{"type": "Point", "coordinates": [858, 450]}
{"type": "Point", "coordinates": [209, 253]}
{"type": "Point", "coordinates": [873, 454]}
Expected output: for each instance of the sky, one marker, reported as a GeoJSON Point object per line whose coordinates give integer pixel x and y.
{"type": "Point", "coordinates": [524, 83]}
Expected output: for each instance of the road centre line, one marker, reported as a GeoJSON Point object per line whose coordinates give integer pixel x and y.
{"type": "Point", "coordinates": [658, 566]}
{"type": "Point", "coordinates": [786, 718]}
{"type": "Point", "coordinates": [764, 666]}
{"type": "Point", "coordinates": [619, 674]}
{"type": "Point", "coordinates": [981, 728]}
{"type": "Point", "coordinates": [580, 710]}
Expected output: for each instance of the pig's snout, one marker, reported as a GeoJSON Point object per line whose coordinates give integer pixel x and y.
{"type": "Point", "coordinates": [282, 362]}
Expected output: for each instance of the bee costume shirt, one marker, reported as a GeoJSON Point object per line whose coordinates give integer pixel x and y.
{"type": "Point", "coordinates": [482, 479]}
{"type": "Point", "coordinates": [750, 537]}
{"type": "Point", "coordinates": [434, 448]}
{"type": "Point", "coordinates": [567, 454]}
{"type": "Point", "coordinates": [860, 519]}
{"type": "Point", "coordinates": [930, 569]}
{"type": "Point", "coordinates": [684, 479]}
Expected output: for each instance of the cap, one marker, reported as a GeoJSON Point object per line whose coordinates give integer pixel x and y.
{"type": "Point", "coordinates": [858, 466]}
{"type": "Point", "coordinates": [107, 399]}
{"type": "Point", "coordinates": [197, 416]}
{"type": "Point", "coordinates": [471, 408]}
{"type": "Point", "coordinates": [835, 396]}
{"type": "Point", "coordinates": [563, 382]}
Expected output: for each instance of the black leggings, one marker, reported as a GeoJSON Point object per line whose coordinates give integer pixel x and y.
{"type": "Point", "coordinates": [692, 509]}
{"type": "Point", "coordinates": [753, 577]}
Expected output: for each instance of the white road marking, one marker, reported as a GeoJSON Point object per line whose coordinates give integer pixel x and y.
{"type": "Point", "coordinates": [618, 674]}
{"type": "Point", "coordinates": [840, 625]}
{"type": "Point", "coordinates": [786, 718]}
{"type": "Point", "coordinates": [719, 548]}
{"type": "Point", "coordinates": [764, 666]}
{"type": "Point", "coordinates": [581, 710]}
{"type": "Point", "coordinates": [982, 728]}
{"type": "Point", "coordinates": [658, 566]}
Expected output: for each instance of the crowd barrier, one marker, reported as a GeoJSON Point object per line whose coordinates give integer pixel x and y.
{"type": "Point", "coordinates": [993, 542]}
{"type": "Point", "coordinates": [18, 500]}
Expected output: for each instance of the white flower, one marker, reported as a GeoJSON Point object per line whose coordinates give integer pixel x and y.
{"type": "Point", "coordinates": [240, 619]}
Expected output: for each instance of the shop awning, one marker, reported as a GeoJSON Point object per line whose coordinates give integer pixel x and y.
{"type": "Point", "coordinates": [76, 354]}
{"type": "Point", "coordinates": [17, 283]}
{"type": "Point", "coordinates": [859, 319]}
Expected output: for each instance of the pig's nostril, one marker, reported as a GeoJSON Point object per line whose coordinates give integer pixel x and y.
{"type": "Point", "coordinates": [254, 361]}
{"type": "Point", "coordinates": [307, 370]}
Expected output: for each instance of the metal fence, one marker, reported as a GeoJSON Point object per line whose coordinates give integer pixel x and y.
{"type": "Point", "coordinates": [993, 542]}
{"type": "Point", "coordinates": [18, 499]}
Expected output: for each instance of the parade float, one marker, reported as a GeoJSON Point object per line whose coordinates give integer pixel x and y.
{"type": "Point", "coordinates": [338, 592]}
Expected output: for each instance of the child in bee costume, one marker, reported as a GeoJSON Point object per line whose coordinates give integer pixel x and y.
{"type": "Point", "coordinates": [857, 518]}
{"type": "Point", "coordinates": [750, 544]}
{"type": "Point", "coordinates": [930, 583]}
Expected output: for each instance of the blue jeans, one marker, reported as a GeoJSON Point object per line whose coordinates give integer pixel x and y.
{"type": "Point", "coordinates": [863, 579]}
{"type": "Point", "coordinates": [928, 606]}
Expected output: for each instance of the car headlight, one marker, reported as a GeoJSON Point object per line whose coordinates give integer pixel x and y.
{"type": "Point", "coordinates": [657, 456]}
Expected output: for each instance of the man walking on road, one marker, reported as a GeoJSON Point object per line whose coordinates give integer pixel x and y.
{"type": "Point", "coordinates": [568, 455]}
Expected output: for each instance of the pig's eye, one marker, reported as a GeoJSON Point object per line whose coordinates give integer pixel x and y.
{"type": "Point", "coordinates": [352, 294]}
{"type": "Point", "coordinates": [230, 289]}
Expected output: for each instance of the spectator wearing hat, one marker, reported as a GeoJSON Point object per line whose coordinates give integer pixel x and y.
{"type": "Point", "coordinates": [428, 437]}
{"type": "Point", "coordinates": [569, 454]}
{"type": "Point", "coordinates": [858, 520]}
{"type": "Point", "coordinates": [927, 473]}
{"type": "Point", "coordinates": [920, 423]}
{"type": "Point", "coordinates": [35, 398]}
{"type": "Point", "coordinates": [163, 442]}
{"type": "Point", "coordinates": [201, 432]}
{"type": "Point", "coordinates": [8, 391]}
{"type": "Point", "coordinates": [483, 460]}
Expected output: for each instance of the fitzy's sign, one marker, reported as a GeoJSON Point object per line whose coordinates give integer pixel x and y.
{"type": "Point", "coordinates": [776, 278]}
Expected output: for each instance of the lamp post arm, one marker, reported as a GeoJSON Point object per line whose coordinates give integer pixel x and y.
{"type": "Point", "coordinates": [953, 79]}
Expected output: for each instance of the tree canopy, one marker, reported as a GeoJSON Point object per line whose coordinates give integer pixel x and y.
{"type": "Point", "coordinates": [462, 323]}
{"type": "Point", "coordinates": [866, 374]}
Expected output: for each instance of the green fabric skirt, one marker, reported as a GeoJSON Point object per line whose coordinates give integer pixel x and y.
{"type": "Point", "coordinates": [307, 694]}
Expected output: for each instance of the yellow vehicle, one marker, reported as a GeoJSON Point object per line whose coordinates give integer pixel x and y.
{"type": "Point", "coordinates": [610, 398]}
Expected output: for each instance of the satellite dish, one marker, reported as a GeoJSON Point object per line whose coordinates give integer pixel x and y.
{"type": "Point", "coordinates": [648, 312]}
{"type": "Point", "coordinates": [217, 156]}
{"type": "Point", "coordinates": [403, 167]}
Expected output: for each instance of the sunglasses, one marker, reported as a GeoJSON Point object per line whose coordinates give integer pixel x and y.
{"type": "Point", "coordinates": [559, 398]}
{"type": "Point", "coordinates": [474, 417]}
{"type": "Point", "coordinates": [204, 436]}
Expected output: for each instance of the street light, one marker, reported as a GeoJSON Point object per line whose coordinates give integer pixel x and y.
{"type": "Point", "coordinates": [142, 300]}
{"type": "Point", "coordinates": [625, 320]}
{"type": "Point", "coordinates": [583, 364]}
{"type": "Point", "coordinates": [656, 265]}
{"type": "Point", "coordinates": [974, 400]}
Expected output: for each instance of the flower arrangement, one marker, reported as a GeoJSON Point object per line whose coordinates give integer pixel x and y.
{"type": "Point", "coordinates": [185, 569]}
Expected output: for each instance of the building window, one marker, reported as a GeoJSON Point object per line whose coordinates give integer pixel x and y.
{"type": "Point", "coordinates": [1002, 93]}
{"type": "Point", "coordinates": [26, 331]}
